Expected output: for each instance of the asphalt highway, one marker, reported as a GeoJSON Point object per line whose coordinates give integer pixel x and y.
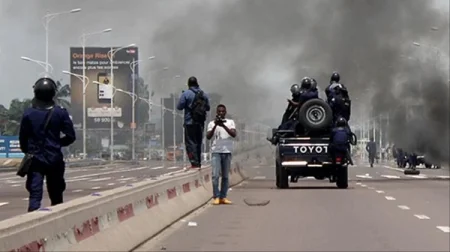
{"type": "Point", "coordinates": [80, 182]}
{"type": "Point", "coordinates": [382, 210]}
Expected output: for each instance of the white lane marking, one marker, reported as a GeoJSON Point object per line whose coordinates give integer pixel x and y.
{"type": "Point", "coordinates": [4, 203]}
{"type": "Point", "coordinates": [389, 197]}
{"type": "Point", "coordinates": [123, 182]}
{"type": "Point", "coordinates": [444, 229]}
{"type": "Point", "coordinates": [95, 187]}
{"type": "Point", "coordinates": [359, 183]}
{"type": "Point", "coordinates": [111, 184]}
{"type": "Point", "coordinates": [112, 172]}
{"type": "Point", "coordinates": [364, 176]}
{"type": "Point", "coordinates": [390, 176]}
{"type": "Point", "coordinates": [100, 179]}
{"type": "Point", "coordinates": [157, 168]}
{"type": "Point", "coordinates": [78, 179]}
{"type": "Point", "coordinates": [259, 177]}
{"type": "Point", "coordinates": [126, 179]}
{"type": "Point", "coordinates": [256, 166]}
{"type": "Point", "coordinates": [422, 217]}
{"type": "Point", "coordinates": [371, 188]}
{"type": "Point", "coordinates": [173, 167]}
{"type": "Point", "coordinates": [417, 176]}
{"type": "Point", "coordinates": [392, 168]}
{"type": "Point", "coordinates": [378, 191]}
{"type": "Point", "coordinates": [25, 199]}
{"type": "Point", "coordinates": [12, 182]}
{"type": "Point", "coordinates": [75, 191]}
{"type": "Point", "coordinates": [15, 185]}
{"type": "Point", "coordinates": [444, 177]}
{"type": "Point", "coordinates": [362, 185]}
{"type": "Point", "coordinates": [403, 207]}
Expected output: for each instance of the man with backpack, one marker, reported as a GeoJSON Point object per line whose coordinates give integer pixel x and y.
{"type": "Point", "coordinates": [195, 104]}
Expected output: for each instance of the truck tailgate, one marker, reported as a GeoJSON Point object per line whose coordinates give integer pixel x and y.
{"type": "Point", "coordinates": [303, 151]}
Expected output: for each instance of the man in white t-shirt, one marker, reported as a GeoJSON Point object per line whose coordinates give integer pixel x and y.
{"type": "Point", "coordinates": [222, 131]}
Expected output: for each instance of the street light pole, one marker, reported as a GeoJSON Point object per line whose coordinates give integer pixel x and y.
{"type": "Point", "coordinates": [133, 65]}
{"type": "Point", "coordinates": [83, 44]}
{"type": "Point", "coordinates": [174, 122]}
{"type": "Point", "coordinates": [149, 102]}
{"type": "Point", "coordinates": [111, 54]}
{"type": "Point", "coordinates": [47, 18]}
{"type": "Point", "coordinates": [174, 130]}
{"type": "Point", "coordinates": [163, 138]}
{"type": "Point", "coordinates": [133, 111]}
{"type": "Point", "coordinates": [40, 63]}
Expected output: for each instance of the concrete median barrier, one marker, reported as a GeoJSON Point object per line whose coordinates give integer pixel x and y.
{"type": "Point", "coordinates": [13, 164]}
{"type": "Point", "coordinates": [114, 220]}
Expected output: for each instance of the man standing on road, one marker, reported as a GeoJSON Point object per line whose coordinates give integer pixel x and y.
{"type": "Point", "coordinates": [371, 148]}
{"type": "Point", "coordinates": [222, 131]}
{"type": "Point", "coordinates": [195, 104]}
{"type": "Point", "coordinates": [40, 136]}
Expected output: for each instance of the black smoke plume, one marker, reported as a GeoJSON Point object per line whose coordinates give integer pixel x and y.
{"type": "Point", "coordinates": [251, 51]}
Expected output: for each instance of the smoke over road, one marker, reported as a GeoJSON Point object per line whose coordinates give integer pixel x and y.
{"type": "Point", "coordinates": [252, 51]}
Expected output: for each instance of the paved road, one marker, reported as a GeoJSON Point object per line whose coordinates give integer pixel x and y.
{"type": "Point", "coordinates": [383, 210]}
{"type": "Point", "coordinates": [80, 182]}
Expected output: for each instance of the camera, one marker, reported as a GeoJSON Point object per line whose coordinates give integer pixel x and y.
{"type": "Point", "coordinates": [219, 120]}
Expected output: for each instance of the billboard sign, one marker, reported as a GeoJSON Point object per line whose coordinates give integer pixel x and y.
{"type": "Point", "coordinates": [10, 147]}
{"type": "Point", "coordinates": [98, 97]}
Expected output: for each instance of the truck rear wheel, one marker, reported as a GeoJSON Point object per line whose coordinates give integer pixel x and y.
{"type": "Point", "coordinates": [282, 177]}
{"type": "Point", "coordinates": [342, 177]}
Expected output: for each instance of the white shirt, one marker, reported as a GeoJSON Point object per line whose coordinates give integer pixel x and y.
{"type": "Point", "coordinates": [222, 142]}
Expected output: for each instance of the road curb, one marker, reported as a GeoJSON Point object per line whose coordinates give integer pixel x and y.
{"type": "Point", "coordinates": [114, 220]}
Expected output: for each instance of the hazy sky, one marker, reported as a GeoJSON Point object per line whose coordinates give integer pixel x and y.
{"type": "Point", "coordinates": [22, 34]}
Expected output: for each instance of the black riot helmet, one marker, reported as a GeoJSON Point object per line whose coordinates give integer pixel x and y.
{"type": "Point", "coordinates": [341, 122]}
{"type": "Point", "coordinates": [295, 89]}
{"type": "Point", "coordinates": [45, 89]}
{"type": "Point", "coordinates": [306, 83]}
{"type": "Point", "coordinates": [192, 82]}
{"type": "Point", "coordinates": [335, 77]}
{"type": "Point", "coordinates": [314, 83]}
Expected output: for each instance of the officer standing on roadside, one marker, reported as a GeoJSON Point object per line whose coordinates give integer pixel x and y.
{"type": "Point", "coordinates": [45, 143]}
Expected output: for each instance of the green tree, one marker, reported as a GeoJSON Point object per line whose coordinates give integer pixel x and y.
{"type": "Point", "coordinates": [62, 95]}
{"type": "Point", "coordinates": [13, 116]}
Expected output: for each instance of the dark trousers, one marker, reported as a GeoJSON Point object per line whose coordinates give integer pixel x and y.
{"type": "Point", "coordinates": [193, 137]}
{"type": "Point", "coordinates": [56, 185]}
{"type": "Point", "coordinates": [371, 158]}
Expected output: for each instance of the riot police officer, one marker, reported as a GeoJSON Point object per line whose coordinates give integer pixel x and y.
{"type": "Point", "coordinates": [340, 140]}
{"type": "Point", "coordinates": [338, 98]}
{"type": "Point", "coordinates": [45, 143]}
{"type": "Point", "coordinates": [289, 119]}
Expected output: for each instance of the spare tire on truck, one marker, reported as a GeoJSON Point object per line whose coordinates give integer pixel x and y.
{"type": "Point", "coordinates": [315, 114]}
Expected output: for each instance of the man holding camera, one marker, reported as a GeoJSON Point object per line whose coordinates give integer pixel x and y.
{"type": "Point", "coordinates": [222, 131]}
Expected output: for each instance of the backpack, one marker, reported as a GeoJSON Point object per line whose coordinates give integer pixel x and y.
{"type": "Point", "coordinates": [198, 108]}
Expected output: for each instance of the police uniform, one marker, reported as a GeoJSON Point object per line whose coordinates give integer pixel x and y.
{"type": "Point", "coordinates": [340, 139]}
{"type": "Point", "coordinates": [337, 98]}
{"type": "Point", "coordinates": [48, 159]}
